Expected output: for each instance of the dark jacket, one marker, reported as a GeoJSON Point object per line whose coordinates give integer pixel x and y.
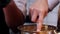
{"type": "Point", "coordinates": [13, 16]}
{"type": "Point", "coordinates": [3, 26]}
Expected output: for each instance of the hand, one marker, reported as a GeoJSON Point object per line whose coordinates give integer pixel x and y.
{"type": "Point", "coordinates": [38, 10]}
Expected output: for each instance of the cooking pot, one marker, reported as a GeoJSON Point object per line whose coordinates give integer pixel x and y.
{"type": "Point", "coordinates": [30, 28]}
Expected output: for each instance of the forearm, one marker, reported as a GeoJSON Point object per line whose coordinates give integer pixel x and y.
{"type": "Point", "coordinates": [13, 16]}
{"type": "Point", "coordinates": [41, 1]}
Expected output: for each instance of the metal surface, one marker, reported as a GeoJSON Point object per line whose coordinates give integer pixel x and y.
{"type": "Point", "coordinates": [30, 28]}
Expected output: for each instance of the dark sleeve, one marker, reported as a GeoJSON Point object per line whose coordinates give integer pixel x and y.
{"type": "Point", "coordinates": [3, 3]}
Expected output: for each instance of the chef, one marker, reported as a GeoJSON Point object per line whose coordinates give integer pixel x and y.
{"type": "Point", "coordinates": [15, 12]}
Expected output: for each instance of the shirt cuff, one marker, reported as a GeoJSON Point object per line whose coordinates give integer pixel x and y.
{"type": "Point", "coordinates": [52, 3]}
{"type": "Point", "coordinates": [21, 5]}
{"type": "Point", "coordinates": [59, 1]}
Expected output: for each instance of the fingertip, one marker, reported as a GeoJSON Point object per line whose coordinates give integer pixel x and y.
{"type": "Point", "coordinates": [39, 25]}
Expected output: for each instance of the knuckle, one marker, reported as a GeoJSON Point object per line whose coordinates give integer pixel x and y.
{"type": "Point", "coordinates": [32, 20]}
{"type": "Point", "coordinates": [44, 10]}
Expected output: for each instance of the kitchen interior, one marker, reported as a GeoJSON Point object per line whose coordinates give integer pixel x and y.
{"type": "Point", "coordinates": [52, 20]}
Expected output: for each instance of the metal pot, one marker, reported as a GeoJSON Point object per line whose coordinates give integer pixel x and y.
{"type": "Point", "coordinates": [30, 28]}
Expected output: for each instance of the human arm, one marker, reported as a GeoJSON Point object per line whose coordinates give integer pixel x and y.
{"type": "Point", "coordinates": [35, 10]}
{"type": "Point", "coordinates": [13, 16]}
{"type": "Point", "coordinates": [38, 10]}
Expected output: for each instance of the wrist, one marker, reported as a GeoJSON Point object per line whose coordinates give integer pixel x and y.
{"type": "Point", "coordinates": [42, 0]}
